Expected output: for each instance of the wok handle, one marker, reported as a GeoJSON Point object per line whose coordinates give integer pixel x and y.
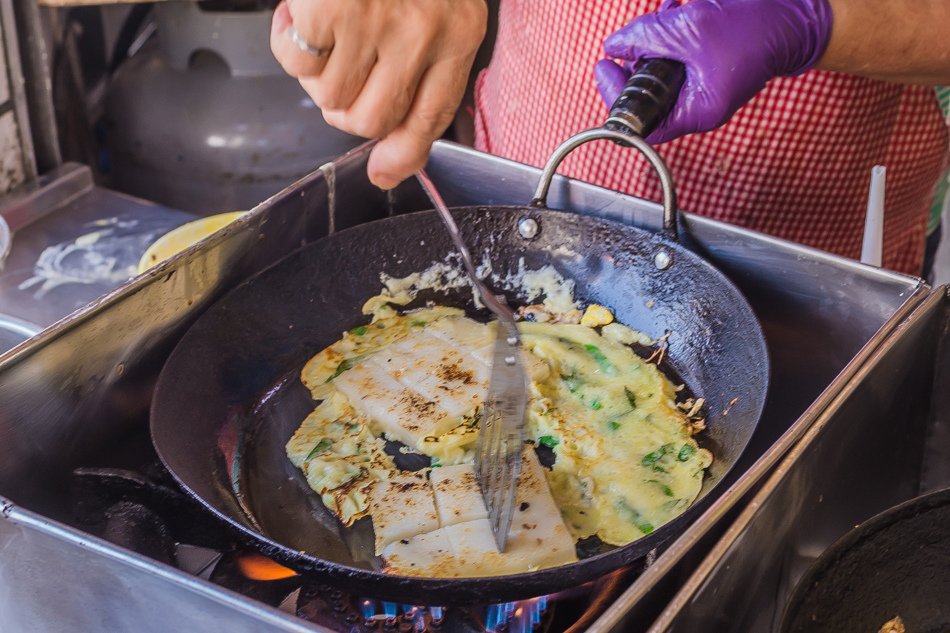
{"type": "Point", "coordinates": [645, 100]}
{"type": "Point", "coordinates": [647, 97]}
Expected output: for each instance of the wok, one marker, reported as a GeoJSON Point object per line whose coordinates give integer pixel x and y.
{"type": "Point", "coordinates": [895, 564]}
{"type": "Point", "coordinates": [229, 397]}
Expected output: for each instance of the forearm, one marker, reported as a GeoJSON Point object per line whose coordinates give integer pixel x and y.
{"type": "Point", "coordinates": [905, 41]}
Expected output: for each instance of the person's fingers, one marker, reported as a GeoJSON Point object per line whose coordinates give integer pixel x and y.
{"type": "Point", "coordinates": [281, 20]}
{"type": "Point", "coordinates": [385, 100]}
{"type": "Point", "coordinates": [622, 44]}
{"type": "Point", "coordinates": [317, 21]}
{"type": "Point", "coordinates": [666, 33]}
{"type": "Point", "coordinates": [405, 150]}
{"type": "Point", "coordinates": [343, 77]}
{"type": "Point", "coordinates": [641, 36]}
{"type": "Point", "coordinates": [666, 131]}
{"type": "Point", "coordinates": [682, 118]}
{"type": "Point", "coordinates": [390, 90]}
{"type": "Point", "coordinates": [395, 72]}
{"type": "Point", "coordinates": [610, 79]}
{"type": "Point", "coordinates": [295, 61]}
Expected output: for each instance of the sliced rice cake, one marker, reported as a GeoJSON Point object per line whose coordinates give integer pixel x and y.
{"type": "Point", "coordinates": [458, 499]}
{"type": "Point", "coordinates": [402, 507]}
{"type": "Point", "coordinates": [403, 415]}
{"type": "Point", "coordinates": [438, 371]}
{"type": "Point", "coordinates": [538, 537]}
{"type": "Point", "coordinates": [427, 555]}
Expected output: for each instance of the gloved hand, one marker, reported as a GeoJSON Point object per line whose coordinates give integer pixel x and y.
{"type": "Point", "coordinates": [731, 49]}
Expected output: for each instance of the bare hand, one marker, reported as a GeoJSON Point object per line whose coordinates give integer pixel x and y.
{"type": "Point", "coordinates": [394, 69]}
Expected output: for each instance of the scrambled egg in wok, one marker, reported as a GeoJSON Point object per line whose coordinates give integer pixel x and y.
{"type": "Point", "coordinates": [625, 460]}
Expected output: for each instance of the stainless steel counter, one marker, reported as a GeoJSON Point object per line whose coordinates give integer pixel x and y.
{"type": "Point", "coordinates": [85, 382]}
{"type": "Point", "coordinates": [74, 242]}
{"type": "Point", "coordinates": [882, 442]}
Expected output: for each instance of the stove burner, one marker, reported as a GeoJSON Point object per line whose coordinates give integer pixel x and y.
{"type": "Point", "coordinates": [149, 514]}
{"type": "Point", "coordinates": [335, 609]}
{"type": "Point", "coordinates": [104, 496]}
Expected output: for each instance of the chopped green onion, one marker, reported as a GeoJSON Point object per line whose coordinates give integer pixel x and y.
{"type": "Point", "coordinates": [650, 458]}
{"type": "Point", "coordinates": [631, 398]}
{"type": "Point", "coordinates": [666, 489]}
{"type": "Point", "coordinates": [349, 363]}
{"type": "Point", "coordinates": [573, 382]}
{"type": "Point", "coordinates": [686, 452]}
{"type": "Point", "coordinates": [548, 440]}
{"type": "Point", "coordinates": [359, 331]}
{"type": "Point", "coordinates": [322, 447]}
{"type": "Point", "coordinates": [636, 518]}
{"type": "Point", "coordinates": [417, 324]}
{"type": "Point", "coordinates": [596, 405]}
{"type": "Point", "coordinates": [614, 425]}
{"type": "Point", "coordinates": [601, 359]}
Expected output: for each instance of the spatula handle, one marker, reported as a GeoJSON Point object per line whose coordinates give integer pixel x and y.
{"type": "Point", "coordinates": [647, 97]}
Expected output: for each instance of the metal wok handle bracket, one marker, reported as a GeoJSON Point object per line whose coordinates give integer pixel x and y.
{"type": "Point", "coordinates": [622, 138]}
{"type": "Point", "coordinates": [644, 102]}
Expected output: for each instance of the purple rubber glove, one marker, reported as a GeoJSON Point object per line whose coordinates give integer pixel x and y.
{"type": "Point", "coordinates": [731, 49]}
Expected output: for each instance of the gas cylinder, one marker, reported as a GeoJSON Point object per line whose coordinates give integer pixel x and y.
{"type": "Point", "coordinates": [205, 120]}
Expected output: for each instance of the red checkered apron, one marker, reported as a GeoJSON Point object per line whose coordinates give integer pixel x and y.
{"type": "Point", "coordinates": [795, 162]}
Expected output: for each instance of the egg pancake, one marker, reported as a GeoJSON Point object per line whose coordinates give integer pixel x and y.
{"type": "Point", "coordinates": [625, 461]}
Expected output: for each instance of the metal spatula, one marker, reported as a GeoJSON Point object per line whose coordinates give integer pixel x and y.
{"type": "Point", "coordinates": [502, 436]}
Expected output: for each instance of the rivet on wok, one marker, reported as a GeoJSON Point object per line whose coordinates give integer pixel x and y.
{"type": "Point", "coordinates": [528, 228]}
{"type": "Point", "coordinates": [663, 259]}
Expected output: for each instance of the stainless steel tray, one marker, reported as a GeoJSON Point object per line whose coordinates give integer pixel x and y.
{"type": "Point", "coordinates": [881, 442]}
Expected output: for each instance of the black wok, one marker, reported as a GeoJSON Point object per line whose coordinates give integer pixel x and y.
{"type": "Point", "coordinates": [229, 396]}
{"type": "Point", "coordinates": [895, 564]}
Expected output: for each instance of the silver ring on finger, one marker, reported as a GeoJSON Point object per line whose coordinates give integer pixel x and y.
{"type": "Point", "coordinates": [304, 46]}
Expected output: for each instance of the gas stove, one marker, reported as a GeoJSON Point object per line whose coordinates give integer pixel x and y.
{"type": "Point", "coordinates": [75, 460]}
{"type": "Point", "coordinates": [144, 511]}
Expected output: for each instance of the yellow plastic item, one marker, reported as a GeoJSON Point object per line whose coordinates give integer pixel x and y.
{"type": "Point", "coordinates": [184, 236]}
